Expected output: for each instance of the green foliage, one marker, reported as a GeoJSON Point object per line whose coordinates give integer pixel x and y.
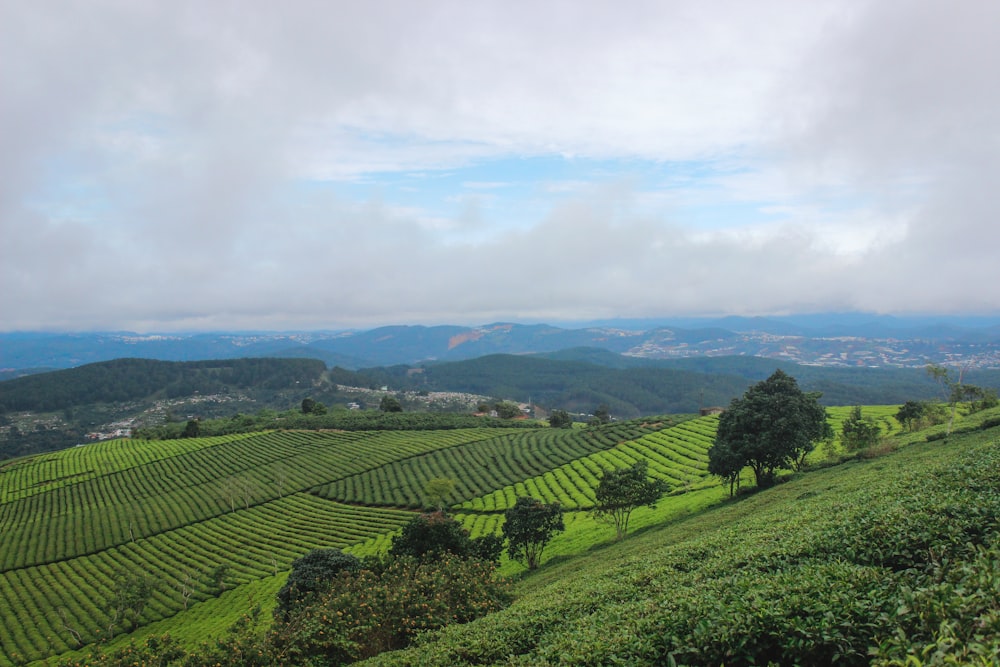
{"type": "Point", "coordinates": [528, 527]}
{"type": "Point", "coordinates": [858, 432]}
{"type": "Point", "coordinates": [129, 596]}
{"type": "Point", "coordinates": [560, 419]}
{"type": "Point", "coordinates": [910, 414]}
{"type": "Point", "coordinates": [507, 410]}
{"type": "Point", "coordinates": [479, 467]}
{"type": "Point", "coordinates": [890, 562]}
{"type": "Point", "coordinates": [676, 453]}
{"type": "Point", "coordinates": [976, 398]}
{"type": "Point", "coordinates": [390, 404]}
{"type": "Point", "coordinates": [430, 536]}
{"type": "Point", "coordinates": [438, 490]}
{"type": "Point", "coordinates": [341, 420]}
{"type": "Point", "coordinates": [602, 413]}
{"type": "Point", "coordinates": [219, 576]}
{"type": "Point", "coordinates": [773, 426]}
{"type": "Point", "coordinates": [192, 429]}
{"type": "Point", "coordinates": [371, 611]}
{"type": "Point", "coordinates": [623, 490]}
{"type": "Point", "coordinates": [312, 574]}
{"type": "Point", "coordinates": [134, 379]}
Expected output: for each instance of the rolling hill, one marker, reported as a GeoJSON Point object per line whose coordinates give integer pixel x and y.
{"type": "Point", "coordinates": [177, 510]}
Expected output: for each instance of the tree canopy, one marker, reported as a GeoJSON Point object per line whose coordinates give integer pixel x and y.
{"type": "Point", "coordinates": [771, 427]}
{"type": "Point", "coordinates": [858, 432]}
{"type": "Point", "coordinates": [560, 419]}
{"type": "Point", "coordinates": [431, 535]}
{"type": "Point", "coordinates": [624, 489]}
{"type": "Point", "coordinates": [528, 527]}
{"type": "Point", "coordinates": [311, 574]}
{"type": "Point", "coordinates": [390, 404]}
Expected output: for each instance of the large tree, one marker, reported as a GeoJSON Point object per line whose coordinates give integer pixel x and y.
{"type": "Point", "coordinates": [528, 527]}
{"type": "Point", "coordinates": [771, 427]}
{"type": "Point", "coordinates": [624, 489]}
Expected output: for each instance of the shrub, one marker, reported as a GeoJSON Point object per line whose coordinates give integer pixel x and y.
{"type": "Point", "coordinates": [311, 574]}
{"type": "Point", "coordinates": [368, 612]}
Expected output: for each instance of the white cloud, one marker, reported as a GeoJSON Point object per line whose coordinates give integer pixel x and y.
{"type": "Point", "coordinates": [183, 164]}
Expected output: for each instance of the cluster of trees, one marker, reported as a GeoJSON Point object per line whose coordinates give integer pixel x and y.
{"type": "Point", "coordinates": [774, 425]}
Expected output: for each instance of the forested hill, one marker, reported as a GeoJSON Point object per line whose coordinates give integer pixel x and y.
{"type": "Point", "coordinates": [138, 379]}
{"type": "Point", "coordinates": [580, 379]}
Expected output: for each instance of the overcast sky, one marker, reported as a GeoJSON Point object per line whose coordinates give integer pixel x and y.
{"type": "Point", "coordinates": [254, 164]}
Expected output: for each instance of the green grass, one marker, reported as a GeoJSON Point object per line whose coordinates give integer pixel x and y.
{"type": "Point", "coordinates": [827, 566]}
{"type": "Point", "coordinates": [68, 525]}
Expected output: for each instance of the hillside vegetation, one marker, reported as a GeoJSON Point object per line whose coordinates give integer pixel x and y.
{"type": "Point", "coordinates": [847, 563]}
{"type": "Point", "coordinates": [177, 511]}
{"type": "Point", "coordinates": [889, 561]}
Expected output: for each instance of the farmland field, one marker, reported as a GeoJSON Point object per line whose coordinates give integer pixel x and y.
{"type": "Point", "coordinates": [176, 511]}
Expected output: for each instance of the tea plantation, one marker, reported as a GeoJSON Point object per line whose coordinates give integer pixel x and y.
{"type": "Point", "coordinates": [891, 559]}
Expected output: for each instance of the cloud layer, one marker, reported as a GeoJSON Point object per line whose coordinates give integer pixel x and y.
{"type": "Point", "coordinates": [238, 165]}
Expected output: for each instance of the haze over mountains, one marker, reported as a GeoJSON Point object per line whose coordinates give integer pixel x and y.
{"type": "Point", "coordinates": [850, 340]}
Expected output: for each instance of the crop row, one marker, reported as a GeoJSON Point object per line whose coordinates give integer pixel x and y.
{"type": "Point", "coordinates": [45, 472]}
{"type": "Point", "coordinates": [477, 468]}
{"type": "Point", "coordinates": [676, 455]}
{"type": "Point", "coordinates": [46, 604]}
{"type": "Point", "coordinates": [140, 502]}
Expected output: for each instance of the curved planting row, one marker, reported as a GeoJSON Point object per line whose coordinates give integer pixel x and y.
{"type": "Point", "coordinates": [144, 501]}
{"type": "Point", "coordinates": [48, 604]}
{"type": "Point", "coordinates": [45, 472]}
{"type": "Point", "coordinates": [477, 468]}
{"type": "Point", "coordinates": [677, 455]}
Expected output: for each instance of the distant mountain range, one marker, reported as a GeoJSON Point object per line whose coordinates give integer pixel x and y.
{"type": "Point", "coordinates": [846, 340]}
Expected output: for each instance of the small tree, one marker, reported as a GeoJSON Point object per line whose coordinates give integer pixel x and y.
{"type": "Point", "coordinates": [560, 419]}
{"type": "Point", "coordinates": [218, 576]}
{"type": "Point", "coordinates": [129, 596]}
{"type": "Point", "coordinates": [191, 429]}
{"type": "Point", "coordinates": [727, 464]}
{"type": "Point", "coordinates": [910, 415]}
{"type": "Point", "coordinates": [437, 491]}
{"type": "Point", "coordinates": [624, 489]}
{"type": "Point", "coordinates": [528, 527]}
{"type": "Point", "coordinates": [508, 410]}
{"type": "Point", "coordinates": [307, 406]}
{"type": "Point", "coordinates": [602, 413]}
{"type": "Point", "coordinates": [311, 574]}
{"type": "Point", "coordinates": [429, 536]}
{"type": "Point", "coordinates": [390, 404]}
{"type": "Point", "coordinates": [858, 432]}
{"type": "Point", "coordinates": [958, 392]}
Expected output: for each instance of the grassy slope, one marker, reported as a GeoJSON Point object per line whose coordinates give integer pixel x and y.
{"type": "Point", "coordinates": [584, 536]}
{"type": "Point", "coordinates": [71, 504]}
{"type": "Point", "coordinates": [825, 557]}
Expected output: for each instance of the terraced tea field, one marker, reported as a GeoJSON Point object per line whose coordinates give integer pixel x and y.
{"type": "Point", "coordinates": [175, 511]}
{"type": "Point", "coordinates": [214, 522]}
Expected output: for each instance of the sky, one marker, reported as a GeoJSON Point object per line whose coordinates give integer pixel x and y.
{"type": "Point", "coordinates": [299, 165]}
